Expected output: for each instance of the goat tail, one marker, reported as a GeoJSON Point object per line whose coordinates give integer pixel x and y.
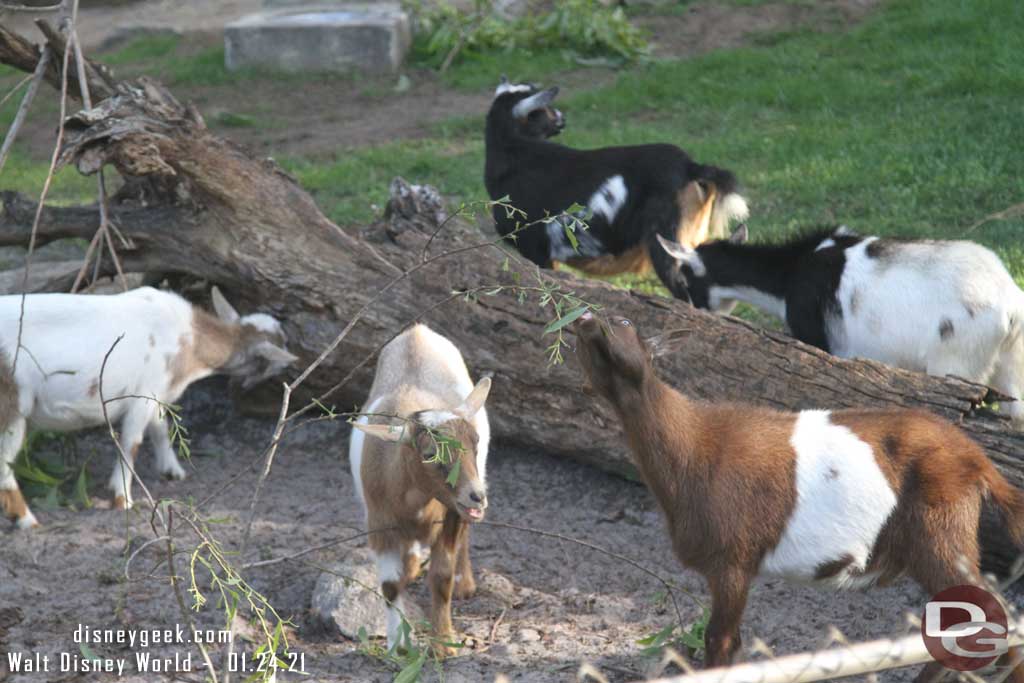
{"type": "Point", "coordinates": [729, 205]}
{"type": "Point", "coordinates": [1010, 501]}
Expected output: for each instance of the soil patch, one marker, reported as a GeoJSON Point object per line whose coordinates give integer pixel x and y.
{"type": "Point", "coordinates": [559, 604]}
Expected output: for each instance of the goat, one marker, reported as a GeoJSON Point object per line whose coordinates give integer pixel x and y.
{"type": "Point", "coordinates": [167, 345]}
{"type": "Point", "coordinates": [414, 495]}
{"type": "Point", "coordinates": [629, 193]}
{"type": "Point", "coordinates": [941, 307]}
{"type": "Point", "coordinates": [844, 499]}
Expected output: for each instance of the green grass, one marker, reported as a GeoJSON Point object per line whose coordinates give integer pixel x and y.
{"type": "Point", "coordinates": [144, 50]}
{"type": "Point", "coordinates": [179, 63]}
{"type": "Point", "coordinates": [907, 125]}
{"type": "Point", "coordinates": [480, 72]}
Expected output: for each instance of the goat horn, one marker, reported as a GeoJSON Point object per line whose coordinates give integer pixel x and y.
{"type": "Point", "coordinates": [534, 102]}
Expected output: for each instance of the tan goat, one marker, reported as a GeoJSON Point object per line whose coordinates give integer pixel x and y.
{"type": "Point", "coordinates": [417, 496]}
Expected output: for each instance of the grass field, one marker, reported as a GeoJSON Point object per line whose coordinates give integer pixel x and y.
{"type": "Point", "coordinates": [907, 125]}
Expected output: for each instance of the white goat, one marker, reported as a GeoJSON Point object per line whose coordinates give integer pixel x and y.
{"type": "Point", "coordinates": [416, 497]}
{"type": "Point", "coordinates": [166, 345]}
{"type": "Point", "coordinates": [941, 307]}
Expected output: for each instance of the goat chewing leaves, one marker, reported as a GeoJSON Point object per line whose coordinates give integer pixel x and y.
{"type": "Point", "coordinates": [566, 319]}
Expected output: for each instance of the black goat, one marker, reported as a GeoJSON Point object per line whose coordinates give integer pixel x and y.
{"type": "Point", "coordinates": [630, 194]}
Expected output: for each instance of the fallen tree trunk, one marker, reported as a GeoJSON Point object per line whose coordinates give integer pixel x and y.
{"type": "Point", "coordinates": [195, 204]}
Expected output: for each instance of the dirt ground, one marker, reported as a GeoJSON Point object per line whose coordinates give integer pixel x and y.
{"type": "Point", "coordinates": [550, 604]}
{"type": "Point", "coordinates": [544, 605]}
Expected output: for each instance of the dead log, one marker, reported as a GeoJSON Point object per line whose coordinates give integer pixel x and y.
{"type": "Point", "coordinates": [195, 204]}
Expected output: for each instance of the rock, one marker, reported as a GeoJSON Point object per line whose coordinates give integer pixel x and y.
{"type": "Point", "coordinates": [348, 603]}
{"type": "Point", "coordinates": [528, 635]}
{"type": "Point", "coordinates": [372, 37]}
{"type": "Point", "coordinates": [496, 585]}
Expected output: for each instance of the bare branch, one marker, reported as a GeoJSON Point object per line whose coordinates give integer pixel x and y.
{"type": "Point", "coordinates": [26, 102]}
{"type": "Point", "coordinates": [46, 184]}
{"type": "Point", "coordinates": [14, 91]}
{"type": "Point", "coordinates": [267, 463]}
{"type": "Point", "coordinates": [180, 598]}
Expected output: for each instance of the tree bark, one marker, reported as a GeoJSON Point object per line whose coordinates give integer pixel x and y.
{"type": "Point", "coordinates": [198, 205]}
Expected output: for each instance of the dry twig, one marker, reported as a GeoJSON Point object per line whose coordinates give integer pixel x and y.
{"type": "Point", "coordinates": [30, 94]}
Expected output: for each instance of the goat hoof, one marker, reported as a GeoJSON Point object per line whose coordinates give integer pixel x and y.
{"type": "Point", "coordinates": [121, 503]}
{"type": "Point", "coordinates": [176, 473]}
{"type": "Point", "coordinates": [464, 588]}
{"type": "Point", "coordinates": [27, 522]}
{"type": "Point", "coordinates": [442, 650]}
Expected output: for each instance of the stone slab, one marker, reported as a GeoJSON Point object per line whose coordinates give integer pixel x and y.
{"type": "Point", "coordinates": [368, 37]}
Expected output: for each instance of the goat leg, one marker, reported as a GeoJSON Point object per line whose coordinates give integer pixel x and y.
{"type": "Point", "coordinates": [465, 584]}
{"type": "Point", "coordinates": [441, 578]}
{"type": "Point", "coordinates": [728, 599]}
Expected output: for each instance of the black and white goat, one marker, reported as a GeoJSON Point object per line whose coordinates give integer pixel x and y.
{"type": "Point", "coordinates": [941, 307]}
{"type": "Point", "coordinates": [629, 193]}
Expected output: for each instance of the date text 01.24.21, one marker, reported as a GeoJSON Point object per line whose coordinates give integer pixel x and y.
{"type": "Point", "coordinates": [256, 662]}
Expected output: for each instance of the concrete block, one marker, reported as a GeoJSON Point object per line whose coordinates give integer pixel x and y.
{"type": "Point", "coordinates": [372, 37]}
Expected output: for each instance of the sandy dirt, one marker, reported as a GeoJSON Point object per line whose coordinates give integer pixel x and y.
{"type": "Point", "coordinates": [544, 605]}
{"type": "Point", "coordinates": [558, 603]}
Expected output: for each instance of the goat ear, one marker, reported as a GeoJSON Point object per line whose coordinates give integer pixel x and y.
{"type": "Point", "coordinates": [274, 353]}
{"type": "Point", "coordinates": [740, 234]}
{"type": "Point", "coordinates": [666, 342]}
{"type": "Point", "coordinates": [675, 250]}
{"type": "Point", "coordinates": [391, 433]}
{"type": "Point", "coordinates": [533, 102]}
{"type": "Point", "coordinates": [475, 401]}
{"type": "Point", "coordinates": [503, 80]}
{"type": "Point", "coordinates": [224, 310]}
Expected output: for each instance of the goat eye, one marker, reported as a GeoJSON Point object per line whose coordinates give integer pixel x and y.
{"type": "Point", "coordinates": [626, 323]}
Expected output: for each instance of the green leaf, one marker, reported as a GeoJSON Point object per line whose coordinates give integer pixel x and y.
{"type": "Point", "coordinates": [691, 640]}
{"type": "Point", "coordinates": [566, 319]}
{"type": "Point", "coordinates": [87, 652]}
{"type": "Point", "coordinates": [570, 234]}
{"type": "Point", "coordinates": [411, 673]}
{"type": "Point", "coordinates": [82, 489]}
{"type": "Point", "coordinates": [28, 470]}
{"type": "Point", "coordinates": [453, 476]}
{"type": "Point", "coordinates": [52, 500]}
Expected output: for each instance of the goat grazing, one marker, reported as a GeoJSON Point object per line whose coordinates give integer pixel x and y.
{"type": "Point", "coordinates": [420, 476]}
{"type": "Point", "coordinates": [845, 499]}
{"type": "Point", "coordinates": [630, 193]}
{"type": "Point", "coordinates": [941, 307]}
{"type": "Point", "coordinates": [167, 344]}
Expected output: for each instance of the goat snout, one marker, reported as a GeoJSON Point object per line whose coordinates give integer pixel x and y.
{"type": "Point", "coordinates": [472, 504]}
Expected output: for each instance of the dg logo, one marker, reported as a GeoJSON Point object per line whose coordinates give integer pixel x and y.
{"type": "Point", "coordinates": [965, 628]}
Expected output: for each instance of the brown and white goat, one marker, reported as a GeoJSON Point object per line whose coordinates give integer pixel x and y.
{"type": "Point", "coordinates": [422, 397]}
{"type": "Point", "coordinates": [165, 345]}
{"type": "Point", "coordinates": [846, 498]}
